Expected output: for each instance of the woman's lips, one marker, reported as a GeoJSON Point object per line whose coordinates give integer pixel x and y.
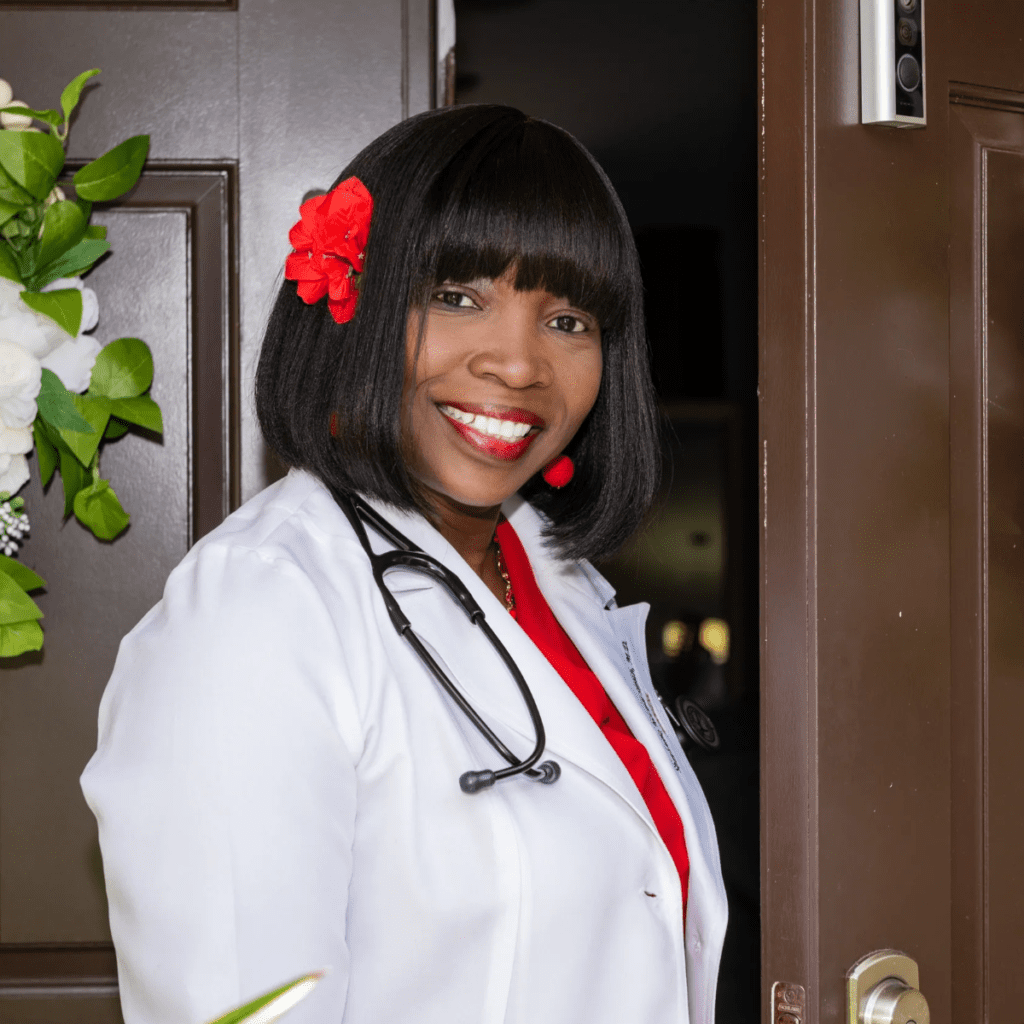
{"type": "Point", "coordinates": [501, 433]}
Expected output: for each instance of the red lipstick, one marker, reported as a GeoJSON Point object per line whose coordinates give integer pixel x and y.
{"type": "Point", "coordinates": [496, 447]}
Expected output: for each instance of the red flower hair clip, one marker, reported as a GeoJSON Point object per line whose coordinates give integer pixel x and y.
{"type": "Point", "coordinates": [330, 243]}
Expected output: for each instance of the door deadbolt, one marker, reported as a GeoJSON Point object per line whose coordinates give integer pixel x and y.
{"type": "Point", "coordinates": [882, 988]}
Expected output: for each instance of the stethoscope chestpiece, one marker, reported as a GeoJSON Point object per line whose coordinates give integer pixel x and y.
{"type": "Point", "coordinates": [693, 726]}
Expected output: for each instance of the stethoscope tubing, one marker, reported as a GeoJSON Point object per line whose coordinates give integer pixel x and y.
{"type": "Point", "coordinates": [406, 555]}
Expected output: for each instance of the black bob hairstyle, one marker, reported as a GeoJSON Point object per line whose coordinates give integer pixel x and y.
{"type": "Point", "coordinates": [461, 194]}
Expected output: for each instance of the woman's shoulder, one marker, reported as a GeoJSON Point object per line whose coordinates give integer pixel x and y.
{"type": "Point", "coordinates": [282, 520]}
{"type": "Point", "coordinates": [293, 523]}
{"type": "Point", "coordinates": [287, 552]}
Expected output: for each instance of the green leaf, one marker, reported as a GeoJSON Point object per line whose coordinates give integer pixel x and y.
{"type": "Point", "coordinates": [73, 475]}
{"type": "Point", "coordinates": [63, 307]}
{"type": "Point", "coordinates": [98, 508]}
{"type": "Point", "coordinates": [142, 411]}
{"type": "Point", "coordinates": [7, 211]}
{"type": "Point", "coordinates": [275, 1003]}
{"type": "Point", "coordinates": [83, 444]}
{"type": "Point", "coordinates": [77, 260]}
{"type": "Point", "coordinates": [32, 159]}
{"type": "Point", "coordinates": [57, 408]}
{"type": "Point", "coordinates": [115, 428]}
{"type": "Point", "coordinates": [8, 264]}
{"type": "Point", "coordinates": [11, 192]}
{"type": "Point", "coordinates": [96, 231]}
{"type": "Point", "coordinates": [19, 637]}
{"type": "Point", "coordinates": [15, 604]}
{"type": "Point", "coordinates": [73, 91]}
{"type": "Point", "coordinates": [63, 227]}
{"type": "Point", "coordinates": [113, 173]}
{"type": "Point", "coordinates": [46, 453]}
{"type": "Point", "coordinates": [123, 369]}
{"type": "Point", "coordinates": [48, 116]}
{"type": "Point", "coordinates": [21, 574]}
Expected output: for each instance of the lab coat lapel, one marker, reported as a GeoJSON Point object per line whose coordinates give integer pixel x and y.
{"type": "Point", "coordinates": [612, 642]}
{"type": "Point", "coordinates": [476, 668]}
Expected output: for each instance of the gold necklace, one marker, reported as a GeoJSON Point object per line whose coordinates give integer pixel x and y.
{"type": "Point", "coordinates": [510, 601]}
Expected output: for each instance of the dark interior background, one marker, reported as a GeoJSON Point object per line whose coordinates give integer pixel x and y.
{"type": "Point", "coordinates": [664, 93]}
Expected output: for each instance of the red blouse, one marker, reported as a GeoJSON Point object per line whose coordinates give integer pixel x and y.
{"type": "Point", "coordinates": [541, 626]}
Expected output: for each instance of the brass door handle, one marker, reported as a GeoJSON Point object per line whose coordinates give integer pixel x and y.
{"type": "Point", "coordinates": [882, 988]}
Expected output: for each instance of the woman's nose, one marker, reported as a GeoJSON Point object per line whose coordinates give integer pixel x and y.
{"type": "Point", "coordinates": [513, 352]}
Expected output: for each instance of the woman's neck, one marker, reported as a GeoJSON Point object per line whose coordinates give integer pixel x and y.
{"type": "Point", "coordinates": [470, 530]}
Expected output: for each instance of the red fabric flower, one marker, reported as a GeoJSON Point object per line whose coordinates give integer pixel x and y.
{"type": "Point", "coordinates": [330, 243]}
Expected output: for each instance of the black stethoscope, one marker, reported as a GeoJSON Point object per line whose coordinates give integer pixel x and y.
{"type": "Point", "coordinates": [406, 555]}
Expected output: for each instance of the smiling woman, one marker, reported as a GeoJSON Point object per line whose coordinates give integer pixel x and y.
{"type": "Point", "coordinates": [472, 194]}
{"type": "Point", "coordinates": [289, 768]}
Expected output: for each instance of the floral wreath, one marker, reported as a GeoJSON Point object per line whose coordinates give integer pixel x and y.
{"type": "Point", "coordinates": [329, 241]}
{"type": "Point", "coordinates": [62, 392]}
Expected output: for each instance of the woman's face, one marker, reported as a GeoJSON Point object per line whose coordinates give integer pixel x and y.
{"type": "Point", "coordinates": [502, 382]}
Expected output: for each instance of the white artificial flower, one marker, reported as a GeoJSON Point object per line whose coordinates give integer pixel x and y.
{"type": "Point", "coordinates": [90, 310]}
{"type": "Point", "coordinates": [13, 473]}
{"type": "Point", "coordinates": [15, 440]}
{"type": "Point", "coordinates": [35, 333]}
{"type": "Point", "coordinates": [15, 121]}
{"type": "Point", "coordinates": [73, 361]}
{"type": "Point", "coordinates": [64, 282]}
{"type": "Point", "coordinates": [6, 92]}
{"type": "Point", "coordinates": [10, 295]}
{"type": "Point", "coordinates": [70, 358]}
{"type": "Point", "coordinates": [20, 378]}
{"type": "Point", "coordinates": [90, 305]}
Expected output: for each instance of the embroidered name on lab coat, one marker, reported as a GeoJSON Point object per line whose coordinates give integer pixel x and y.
{"type": "Point", "coordinates": [645, 702]}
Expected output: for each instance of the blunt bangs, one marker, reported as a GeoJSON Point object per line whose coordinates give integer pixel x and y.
{"type": "Point", "coordinates": [462, 194]}
{"type": "Point", "coordinates": [527, 196]}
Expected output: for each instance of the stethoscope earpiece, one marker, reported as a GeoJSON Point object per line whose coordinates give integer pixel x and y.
{"type": "Point", "coordinates": [473, 782]}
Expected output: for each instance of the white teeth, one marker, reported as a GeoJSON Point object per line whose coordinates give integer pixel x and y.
{"type": "Point", "coordinates": [507, 430]}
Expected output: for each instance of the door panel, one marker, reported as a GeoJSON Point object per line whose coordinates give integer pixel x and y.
{"type": "Point", "coordinates": [987, 365]}
{"type": "Point", "coordinates": [1004, 409]}
{"type": "Point", "coordinates": [855, 599]}
{"type": "Point", "coordinates": [176, 490]}
{"type": "Point", "coordinates": [892, 443]}
{"type": "Point", "coordinates": [250, 105]}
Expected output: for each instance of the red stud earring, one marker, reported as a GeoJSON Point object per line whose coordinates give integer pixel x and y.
{"type": "Point", "coordinates": [558, 472]}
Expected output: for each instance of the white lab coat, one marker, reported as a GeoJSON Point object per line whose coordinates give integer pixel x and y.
{"type": "Point", "coordinates": [276, 788]}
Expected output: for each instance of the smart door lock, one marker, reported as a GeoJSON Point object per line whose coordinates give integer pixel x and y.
{"type": "Point", "coordinates": [892, 63]}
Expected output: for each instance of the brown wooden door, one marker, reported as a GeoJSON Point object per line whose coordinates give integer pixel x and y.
{"type": "Point", "coordinates": [250, 104]}
{"type": "Point", "coordinates": [892, 450]}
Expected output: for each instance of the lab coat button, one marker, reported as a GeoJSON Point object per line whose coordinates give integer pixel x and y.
{"type": "Point", "coordinates": [695, 944]}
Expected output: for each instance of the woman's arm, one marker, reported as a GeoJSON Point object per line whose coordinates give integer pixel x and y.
{"type": "Point", "coordinates": [224, 787]}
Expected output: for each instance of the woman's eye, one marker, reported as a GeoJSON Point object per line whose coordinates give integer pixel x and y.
{"type": "Point", "coordinates": [569, 324]}
{"type": "Point", "coordinates": [456, 300]}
